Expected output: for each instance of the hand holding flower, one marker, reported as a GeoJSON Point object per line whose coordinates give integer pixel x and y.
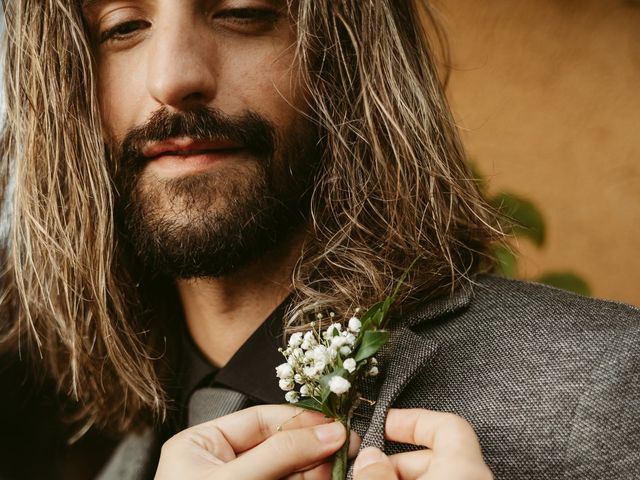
{"type": "Point", "coordinates": [267, 442]}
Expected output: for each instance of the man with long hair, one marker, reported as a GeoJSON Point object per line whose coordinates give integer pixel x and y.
{"type": "Point", "coordinates": [187, 180]}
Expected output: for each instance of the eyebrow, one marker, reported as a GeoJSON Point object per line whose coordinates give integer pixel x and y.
{"type": "Point", "coordinates": [87, 4]}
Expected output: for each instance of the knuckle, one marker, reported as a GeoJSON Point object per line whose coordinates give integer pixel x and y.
{"type": "Point", "coordinates": [456, 425]}
{"type": "Point", "coordinates": [213, 440]}
{"type": "Point", "coordinates": [455, 422]}
{"type": "Point", "coordinates": [173, 442]}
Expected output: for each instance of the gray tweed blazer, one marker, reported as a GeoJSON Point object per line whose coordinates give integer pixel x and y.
{"type": "Point", "coordinates": [549, 380]}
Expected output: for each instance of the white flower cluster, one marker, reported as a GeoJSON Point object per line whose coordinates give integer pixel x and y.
{"type": "Point", "coordinates": [313, 354]}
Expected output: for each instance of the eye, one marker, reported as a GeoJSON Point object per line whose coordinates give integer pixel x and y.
{"type": "Point", "coordinates": [123, 30]}
{"type": "Point", "coordinates": [258, 17]}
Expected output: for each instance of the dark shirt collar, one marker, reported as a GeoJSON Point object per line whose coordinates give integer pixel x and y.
{"type": "Point", "coordinates": [251, 370]}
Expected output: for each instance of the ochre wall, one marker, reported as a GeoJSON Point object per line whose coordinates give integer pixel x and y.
{"type": "Point", "coordinates": [547, 93]}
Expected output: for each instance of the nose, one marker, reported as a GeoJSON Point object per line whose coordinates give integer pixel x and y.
{"type": "Point", "coordinates": [181, 71]}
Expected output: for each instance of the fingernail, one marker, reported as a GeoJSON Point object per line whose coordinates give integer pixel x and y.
{"type": "Point", "coordinates": [329, 432]}
{"type": "Point", "coordinates": [368, 456]}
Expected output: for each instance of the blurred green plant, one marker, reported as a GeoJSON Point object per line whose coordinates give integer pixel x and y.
{"type": "Point", "coordinates": [520, 218]}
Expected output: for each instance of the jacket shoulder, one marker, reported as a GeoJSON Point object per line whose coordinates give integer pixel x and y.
{"type": "Point", "coordinates": [549, 379]}
{"type": "Point", "coordinates": [548, 310]}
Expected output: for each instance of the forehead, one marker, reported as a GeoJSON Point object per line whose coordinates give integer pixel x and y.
{"type": "Point", "coordinates": [87, 4]}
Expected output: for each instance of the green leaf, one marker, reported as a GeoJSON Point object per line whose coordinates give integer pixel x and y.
{"type": "Point", "coordinates": [371, 343]}
{"type": "Point", "coordinates": [369, 318]}
{"type": "Point", "coordinates": [523, 217]}
{"type": "Point", "coordinates": [377, 319]}
{"type": "Point", "coordinates": [375, 308]}
{"type": "Point", "coordinates": [401, 281]}
{"type": "Point", "coordinates": [326, 409]}
{"type": "Point", "coordinates": [506, 261]}
{"type": "Point", "coordinates": [567, 281]}
{"type": "Point", "coordinates": [309, 404]}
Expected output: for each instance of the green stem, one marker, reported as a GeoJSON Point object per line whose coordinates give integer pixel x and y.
{"type": "Point", "coordinates": [340, 459]}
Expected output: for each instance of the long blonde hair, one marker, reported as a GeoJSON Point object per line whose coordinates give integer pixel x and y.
{"type": "Point", "coordinates": [393, 186]}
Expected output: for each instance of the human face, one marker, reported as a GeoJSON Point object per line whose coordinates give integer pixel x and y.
{"type": "Point", "coordinates": [200, 101]}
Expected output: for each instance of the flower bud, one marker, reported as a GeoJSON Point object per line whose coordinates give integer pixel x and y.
{"type": "Point", "coordinates": [292, 397]}
{"type": "Point", "coordinates": [349, 364]}
{"type": "Point", "coordinates": [306, 390]}
{"type": "Point", "coordinates": [354, 324]}
{"type": "Point", "coordinates": [344, 351]}
{"type": "Point", "coordinates": [339, 385]}
{"type": "Point", "coordinates": [295, 340]}
{"type": "Point", "coordinates": [286, 384]}
{"type": "Point", "coordinates": [284, 371]}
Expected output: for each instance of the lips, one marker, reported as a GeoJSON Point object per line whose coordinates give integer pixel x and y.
{"type": "Point", "coordinates": [184, 147]}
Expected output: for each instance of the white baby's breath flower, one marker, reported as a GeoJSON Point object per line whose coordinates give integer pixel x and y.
{"type": "Point", "coordinates": [306, 390]}
{"type": "Point", "coordinates": [298, 378]}
{"type": "Point", "coordinates": [320, 366]}
{"type": "Point", "coordinates": [284, 371]}
{"type": "Point", "coordinates": [309, 340]}
{"type": "Point", "coordinates": [295, 340]}
{"type": "Point", "coordinates": [295, 357]}
{"type": "Point", "coordinates": [292, 397]}
{"type": "Point", "coordinates": [286, 384]}
{"type": "Point", "coordinates": [373, 371]}
{"type": "Point", "coordinates": [318, 354]}
{"type": "Point", "coordinates": [333, 354]}
{"type": "Point", "coordinates": [344, 351]}
{"type": "Point", "coordinates": [373, 361]}
{"type": "Point", "coordinates": [310, 372]}
{"type": "Point", "coordinates": [349, 364]}
{"type": "Point", "coordinates": [339, 385]}
{"type": "Point", "coordinates": [350, 338]}
{"type": "Point", "coordinates": [337, 342]}
{"type": "Point", "coordinates": [355, 324]}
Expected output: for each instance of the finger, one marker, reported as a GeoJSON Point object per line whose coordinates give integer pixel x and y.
{"type": "Point", "coordinates": [319, 472]}
{"type": "Point", "coordinates": [411, 465]}
{"type": "Point", "coordinates": [247, 428]}
{"type": "Point", "coordinates": [288, 451]}
{"type": "Point", "coordinates": [442, 432]}
{"type": "Point", "coordinates": [372, 464]}
{"type": "Point", "coordinates": [211, 442]}
{"type": "Point", "coordinates": [462, 470]}
{"type": "Point", "coordinates": [354, 448]}
{"type": "Point", "coordinates": [354, 444]}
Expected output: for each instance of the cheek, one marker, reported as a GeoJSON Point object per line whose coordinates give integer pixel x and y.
{"type": "Point", "coordinates": [263, 80]}
{"type": "Point", "coordinates": [121, 90]}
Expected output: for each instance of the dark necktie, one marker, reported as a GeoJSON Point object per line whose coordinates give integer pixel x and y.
{"type": "Point", "coordinates": [209, 403]}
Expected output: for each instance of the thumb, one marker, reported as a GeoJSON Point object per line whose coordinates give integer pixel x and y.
{"type": "Point", "coordinates": [288, 451]}
{"type": "Point", "coordinates": [372, 464]}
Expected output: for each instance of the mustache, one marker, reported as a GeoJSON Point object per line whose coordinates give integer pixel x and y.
{"type": "Point", "coordinates": [250, 130]}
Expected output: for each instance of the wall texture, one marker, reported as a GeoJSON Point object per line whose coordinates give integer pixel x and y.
{"type": "Point", "coordinates": [547, 93]}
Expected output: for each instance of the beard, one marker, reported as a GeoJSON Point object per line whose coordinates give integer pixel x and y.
{"type": "Point", "coordinates": [213, 223]}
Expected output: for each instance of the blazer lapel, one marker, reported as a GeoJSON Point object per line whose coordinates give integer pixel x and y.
{"type": "Point", "coordinates": [409, 354]}
{"type": "Point", "coordinates": [404, 356]}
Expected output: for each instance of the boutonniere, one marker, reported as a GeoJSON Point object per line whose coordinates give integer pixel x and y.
{"type": "Point", "coordinates": [324, 366]}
